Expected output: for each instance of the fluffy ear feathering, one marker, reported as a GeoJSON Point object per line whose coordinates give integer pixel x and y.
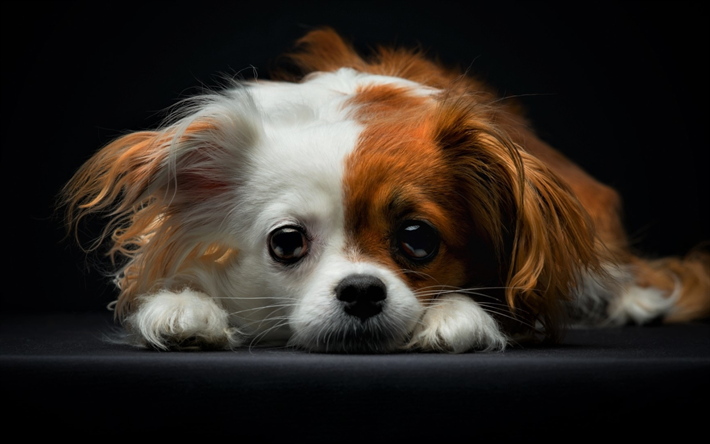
{"type": "Point", "coordinates": [347, 158]}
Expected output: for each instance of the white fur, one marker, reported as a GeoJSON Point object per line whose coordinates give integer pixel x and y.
{"type": "Point", "coordinates": [187, 318]}
{"type": "Point", "coordinates": [319, 322]}
{"type": "Point", "coordinates": [641, 305]}
{"type": "Point", "coordinates": [615, 299]}
{"type": "Point", "coordinates": [455, 323]}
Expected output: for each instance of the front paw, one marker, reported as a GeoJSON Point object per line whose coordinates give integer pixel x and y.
{"type": "Point", "coordinates": [185, 320]}
{"type": "Point", "coordinates": [455, 323]}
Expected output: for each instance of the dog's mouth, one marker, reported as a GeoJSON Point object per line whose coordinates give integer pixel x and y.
{"type": "Point", "coordinates": [377, 334]}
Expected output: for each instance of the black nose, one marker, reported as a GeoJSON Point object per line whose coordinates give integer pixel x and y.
{"type": "Point", "coordinates": [363, 295]}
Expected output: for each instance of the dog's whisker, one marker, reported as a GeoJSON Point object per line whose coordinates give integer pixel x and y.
{"type": "Point", "coordinates": [260, 322]}
{"type": "Point", "coordinates": [279, 321]}
{"type": "Point", "coordinates": [505, 313]}
{"type": "Point", "coordinates": [244, 298]}
{"type": "Point", "coordinates": [256, 339]}
{"type": "Point", "coordinates": [260, 308]}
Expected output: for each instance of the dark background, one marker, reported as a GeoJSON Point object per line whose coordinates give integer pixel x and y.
{"type": "Point", "coordinates": [620, 88]}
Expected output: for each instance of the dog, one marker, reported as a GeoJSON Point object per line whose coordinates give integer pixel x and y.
{"type": "Point", "coordinates": [365, 205]}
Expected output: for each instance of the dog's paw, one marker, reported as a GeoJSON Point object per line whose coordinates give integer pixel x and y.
{"type": "Point", "coordinates": [455, 323]}
{"type": "Point", "coordinates": [185, 320]}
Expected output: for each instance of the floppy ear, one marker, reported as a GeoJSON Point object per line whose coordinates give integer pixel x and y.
{"type": "Point", "coordinates": [542, 233]}
{"type": "Point", "coordinates": [166, 193]}
{"type": "Point", "coordinates": [554, 245]}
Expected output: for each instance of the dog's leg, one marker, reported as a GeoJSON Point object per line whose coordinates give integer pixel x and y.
{"type": "Point", "coordinates": [669, 290]}
{"type": "Point", "coordinates": [455, 323]}
{"type": "Point", "coordinates": [186, 319]}
{"type": "Point", "coordinates": [684, 281]}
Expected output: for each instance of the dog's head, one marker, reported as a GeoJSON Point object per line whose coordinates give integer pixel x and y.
{"type": "Point", "coordinates": [337, 208]}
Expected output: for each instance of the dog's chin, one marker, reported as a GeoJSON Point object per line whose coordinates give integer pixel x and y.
{"type": "Point", "coordinates": [348, 334]}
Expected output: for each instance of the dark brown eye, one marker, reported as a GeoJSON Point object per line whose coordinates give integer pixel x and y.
{"type": "Point", "coordinates": [288, 245]}
{"type": "Point", "coordinates": [418, 241]}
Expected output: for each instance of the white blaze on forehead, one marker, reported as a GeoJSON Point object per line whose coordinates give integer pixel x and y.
{"type": "Point", "coordinates": [300, 171]}
{"type": "Point", "coordinates": [299, 164]}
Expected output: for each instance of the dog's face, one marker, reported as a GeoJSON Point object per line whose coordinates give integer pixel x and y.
{"type": "Point", "coordinates": [350, 211]}
{"type": "Point", "coordinates": [353, 210]}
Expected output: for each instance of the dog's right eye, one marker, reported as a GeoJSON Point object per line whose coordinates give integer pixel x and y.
{"type": "Point", "coordinates": [418, 241]}
{"type": "Point", "coordinates": [288, 245]}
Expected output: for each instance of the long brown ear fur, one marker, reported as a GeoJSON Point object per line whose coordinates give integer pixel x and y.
{"type": "Point", "coordinates": [149, 185]}
{"type": "Point", "coordinates": [552, 241]}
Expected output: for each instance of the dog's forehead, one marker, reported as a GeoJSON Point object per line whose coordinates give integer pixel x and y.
{"type": "Point", "coordinates": [325, 92]}
{"type": "Point", "coordinates": [311, 131]}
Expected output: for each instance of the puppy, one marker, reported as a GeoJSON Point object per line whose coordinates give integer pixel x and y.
{"type": "Point", "coordinates": [365, 205]}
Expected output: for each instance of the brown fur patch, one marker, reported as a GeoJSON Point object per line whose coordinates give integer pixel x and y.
{"type": "Point", "coordinates": [398, 172]}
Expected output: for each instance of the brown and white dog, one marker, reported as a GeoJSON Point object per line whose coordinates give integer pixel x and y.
{"type": "Point", "coordinates": [372, 205]}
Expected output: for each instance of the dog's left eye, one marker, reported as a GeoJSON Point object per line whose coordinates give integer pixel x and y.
{"type": "Point", "coordinates": [288, 245]}
{"type": "Point", "coordinates": [418, 240]}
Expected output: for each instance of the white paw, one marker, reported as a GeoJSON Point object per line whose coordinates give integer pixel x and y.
{"type": "Point", "coordinates": [188, 319]}
{"type": "Point", "coordinates": [616, 299]}
{"type": "Point", "coordinates": [641, 305]}
{"type": "Point", "coordinates": [455, 323]}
